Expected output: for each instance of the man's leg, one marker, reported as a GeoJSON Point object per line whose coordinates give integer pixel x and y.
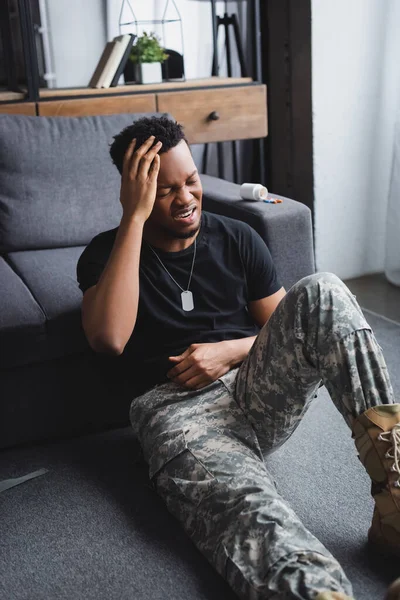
{"type": "Point", "coordinates": [206, 463]}
{"type": "Point", "coordinates": [318, 333]}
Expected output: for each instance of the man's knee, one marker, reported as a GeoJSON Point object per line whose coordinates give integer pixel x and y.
{"type": "Point", "coordinates": [323, 277]}
{"type": "Point", "coordinates": [327, 295]}
{"type": "Point", "coordinates": [318, 281]}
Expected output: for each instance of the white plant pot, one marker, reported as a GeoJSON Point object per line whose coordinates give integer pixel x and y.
{"type": "Point", "coordinates": [148, 73]}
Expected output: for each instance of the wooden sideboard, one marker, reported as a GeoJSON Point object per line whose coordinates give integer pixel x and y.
{"type": "Point", "coordinates": [214, 109]}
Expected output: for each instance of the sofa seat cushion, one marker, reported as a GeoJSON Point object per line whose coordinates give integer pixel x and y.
{"type": "Point", "coordinates": [49, 276]}
{"type": "Point", "coordinates": [22, 321]}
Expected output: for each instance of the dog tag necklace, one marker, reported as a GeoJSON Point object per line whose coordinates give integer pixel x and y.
{"type": "Point", "coordinates": [186, 295]}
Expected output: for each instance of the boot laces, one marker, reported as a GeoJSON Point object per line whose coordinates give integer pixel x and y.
{"type": "Point", "coordinates": [393, 437]}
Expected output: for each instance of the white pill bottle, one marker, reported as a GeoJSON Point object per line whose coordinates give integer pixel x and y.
{"type": "Point", "coordinates": [253, 191]}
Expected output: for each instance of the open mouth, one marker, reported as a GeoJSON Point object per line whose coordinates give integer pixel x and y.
{"type": "Point", "coordinates": [186, 216]}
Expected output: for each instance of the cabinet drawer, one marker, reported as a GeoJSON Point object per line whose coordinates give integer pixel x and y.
{"type": "Point", "coordinates": [230, 113]}
{"type": "Point", "coordinates": [25, 108]}
{"type": "Point", "coordinates": [86, 107]}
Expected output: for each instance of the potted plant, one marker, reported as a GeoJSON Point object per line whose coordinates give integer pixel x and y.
{"type": "Point", "coordinates": [147, 56]}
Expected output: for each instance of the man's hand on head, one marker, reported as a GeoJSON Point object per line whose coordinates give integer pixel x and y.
{"type": "Point", "coordinates": [201, 364]}
{"type": "Point", "coordinates": [139, 178]}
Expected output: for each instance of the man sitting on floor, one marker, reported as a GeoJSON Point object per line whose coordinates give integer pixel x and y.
{"type": "Point", "coordinates": [228, 364]}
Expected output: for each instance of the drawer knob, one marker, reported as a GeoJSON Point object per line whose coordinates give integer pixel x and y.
{"type": "Point", "coordinates": [214, 116]}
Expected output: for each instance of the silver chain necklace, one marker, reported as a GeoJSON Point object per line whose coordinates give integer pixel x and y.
{"type": "Point", "coordinates": [186, 295]}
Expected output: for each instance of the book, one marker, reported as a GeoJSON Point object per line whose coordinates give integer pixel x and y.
{"type": "Point", "coordinates": [94, 82]}
{"type": "Point", "coordinates": [114, 59]}
{"type": "Point", "coordinates": [123, 62]}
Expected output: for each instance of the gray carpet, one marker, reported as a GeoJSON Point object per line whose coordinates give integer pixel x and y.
{"type": "Point", "coordinates": [91, 528]}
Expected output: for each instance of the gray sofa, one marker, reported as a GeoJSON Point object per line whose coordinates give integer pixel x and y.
{"type": "Point", "coordinates": [58, 189]}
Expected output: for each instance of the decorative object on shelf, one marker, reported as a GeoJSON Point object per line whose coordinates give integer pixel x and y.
{"type": "Point", "coordinates": [124, 60]}
{"type": "Point", "coordinates": [147, 55]}
{"type": "Point", "coordinates": [112, 62]}
{"type": "Point", "coordinates": [172, 67]}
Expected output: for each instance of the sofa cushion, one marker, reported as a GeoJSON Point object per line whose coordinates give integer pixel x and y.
{"type": "Point", "coordinates": [58, 186]}
{"type": "Point", "coordinates": [51, 276]}
{"type": "Point", "coordinates": [22, 321]}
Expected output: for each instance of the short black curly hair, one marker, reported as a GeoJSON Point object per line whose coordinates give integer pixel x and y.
{"type": "Point", "coordinates": [169, 132]}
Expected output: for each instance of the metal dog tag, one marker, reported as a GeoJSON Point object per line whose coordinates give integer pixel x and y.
{"type": "Point", "coordinates": [187, 300]}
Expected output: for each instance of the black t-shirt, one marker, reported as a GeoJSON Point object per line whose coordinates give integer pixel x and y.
{"type": "Point", "coordinates": [232, 267]}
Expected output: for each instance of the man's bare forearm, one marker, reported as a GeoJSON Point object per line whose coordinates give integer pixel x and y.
{"type": "Point", "coordinates": [114, 309]}
{"type": "Point", "coordinates": [237, 350]}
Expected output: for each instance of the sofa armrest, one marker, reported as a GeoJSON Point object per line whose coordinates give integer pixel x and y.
{"type": "Point", "coordinates": [286, 228]}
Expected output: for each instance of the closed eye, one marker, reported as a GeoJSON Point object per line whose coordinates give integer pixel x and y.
{"type": "Point", "coordinates": [191, 182]}
{"type": "Point", "coordinates": [164, 195]}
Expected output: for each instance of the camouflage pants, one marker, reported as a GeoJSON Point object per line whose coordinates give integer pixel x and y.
{"type": "Point", "coordinates": [205, 448]}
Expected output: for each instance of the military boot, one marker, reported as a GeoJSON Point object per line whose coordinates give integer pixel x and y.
{"type": "Point", "coordinates": [376, 433]}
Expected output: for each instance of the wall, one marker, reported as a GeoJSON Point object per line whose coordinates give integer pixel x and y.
{"type": "Point", "coordinates": [77, 38]}
{"type": "Point", "coordinates": [355, 98]}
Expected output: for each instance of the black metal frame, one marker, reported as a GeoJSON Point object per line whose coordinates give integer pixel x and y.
{"type": "Point", "coordinates": [30, 55]}
{"type": "Point", "coordinates": [262, 166]}
{"type": "Point", "coordinates": [286, 60]}
{"type": "Point", "coordinates": [226, 21]}
{"type": "Point", "coordinates": [8, 47]}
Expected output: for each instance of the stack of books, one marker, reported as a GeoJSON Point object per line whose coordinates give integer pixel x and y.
{"type": "Point", "coordinates": [112, 62]}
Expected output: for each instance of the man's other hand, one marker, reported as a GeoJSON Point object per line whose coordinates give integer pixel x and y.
{"type": "Point", "coordinates": [201, 364]}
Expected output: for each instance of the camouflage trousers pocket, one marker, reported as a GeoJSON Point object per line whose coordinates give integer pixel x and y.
{"type": "Point", "coordinates": [180, 476]}
{"type": "Point", "coordinates": [166, 447]}
{"type": "Point", "coordinates": [193, 482]}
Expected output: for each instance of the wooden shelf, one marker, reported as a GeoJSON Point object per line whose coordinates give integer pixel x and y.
{"type": "Point", "coordinates": [211, 109]}
{"type": "Point", "coordinates": [103, 105]}
{"type": "Point", "coordinates": [240, 116]}
{"type": "Point", "coordinates": [138, 88]}
{"type": "Point", "coordinates": [18, 108]}
{"type": "Point", "coordinates": [6, 96]}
